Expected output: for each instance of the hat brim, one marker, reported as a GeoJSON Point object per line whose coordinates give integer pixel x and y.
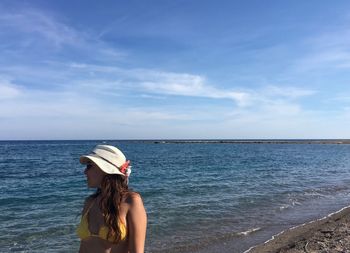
{"type": "Point", "coordinates": [102, 164]}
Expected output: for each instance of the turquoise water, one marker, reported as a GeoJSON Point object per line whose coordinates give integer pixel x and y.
{"type": "Point", "coordinates": [197, 196]}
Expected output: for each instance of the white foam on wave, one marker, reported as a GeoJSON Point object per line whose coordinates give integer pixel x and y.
{"type": "Point", "coordinates": [249, 231]}
{"type": "Point", "coordinates": [292, 203]}
{"type": "Point", "coordinates": [292, 228]}
{"type": "Point", "coordinates": [282, 207]}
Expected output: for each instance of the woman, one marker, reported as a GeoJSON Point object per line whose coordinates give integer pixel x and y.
{"type": "Point", "coordinates": [113, 218]}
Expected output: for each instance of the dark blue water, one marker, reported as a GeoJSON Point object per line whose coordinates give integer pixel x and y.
{"type": "Point", "coordinates": [197, 196]}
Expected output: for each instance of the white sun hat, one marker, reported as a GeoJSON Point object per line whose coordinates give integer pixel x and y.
{"type": "Point", "coordinates": [109, 159]}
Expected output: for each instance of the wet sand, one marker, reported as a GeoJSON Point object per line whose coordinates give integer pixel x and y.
{"type": "Point", "coordinates": [330, 234]}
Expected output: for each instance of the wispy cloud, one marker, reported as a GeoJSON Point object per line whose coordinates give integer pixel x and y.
{"type": "Point", "coordinates": [8, 90]}
{"type": "Point", "coordinates": [344, 97]}
{"type": "Point", "coordinates": [288, 91]}
{"type": "Point", "coordinates": [35, 23]}
{"type": "Point", "coordinates": [116, 81]}
{"type": "Point", "coordinates": [179, 84]}
{"type": "Point", "coordinates": [273, 109]}
{"type": "Point", "coordinates": [329, 50]}
{"type": "Point", "coordinates": [189, 85]}
{"type": "Point", "coordinates": [58, 77]}
{"type": "Point", "coordinates": [34, 30]}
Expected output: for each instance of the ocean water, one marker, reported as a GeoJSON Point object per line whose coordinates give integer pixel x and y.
{"type": "Point", "coordinates": [199, 197]}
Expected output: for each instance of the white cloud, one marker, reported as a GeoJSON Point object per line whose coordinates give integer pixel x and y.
{"type": "Point", "coordinates": [63, 114]}
{"type": "Point", "coordinates": [36, 23]}
{"type": "Point", "coordinates": [35, 30]}
{"type": "Point", "coordinates": [107, 79]}
{"type": "Point", "coordinates": [115, 81]}
{"type": "Point", "coordinates": [73, 96]}
{"type": "Point", "coordinates": [8, 90]}
{"type": "Point", "coordinates": [111, 78]}
{"type": "Point", "coordinates": [344, 97]}
{"type": "Point", "coordinates": [287, 92]}
{"type": "Point", "coordinates": [330, 58]}
{"type": "Point", "coordinates": [190, 85]}
{"type": "Point", "coordinates": [330, 50]}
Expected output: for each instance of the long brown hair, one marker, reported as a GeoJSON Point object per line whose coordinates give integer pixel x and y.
{"type": "Point", "coordinates": [113, 189]}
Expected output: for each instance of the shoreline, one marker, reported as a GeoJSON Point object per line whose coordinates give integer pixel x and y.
{"type": "Point", "coordinates": [330, 233]}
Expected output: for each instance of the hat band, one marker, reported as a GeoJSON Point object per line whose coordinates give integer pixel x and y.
{"type": "Point", "coordinates": [106, 160]}
{"type": "Point", "coordinates": [122, 169]}
{"type": "Point", "coordinates": [110, 157]}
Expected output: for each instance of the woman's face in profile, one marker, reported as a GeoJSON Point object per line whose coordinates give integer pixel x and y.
{"type": "Point", "coordinates": [94, 175]}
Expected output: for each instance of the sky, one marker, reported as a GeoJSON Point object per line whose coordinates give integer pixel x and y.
{"type": "Point", "coordinates": [174, 69]}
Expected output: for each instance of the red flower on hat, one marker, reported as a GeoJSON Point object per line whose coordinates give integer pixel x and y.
{"type": "Point", "coordinates": [124, 167]}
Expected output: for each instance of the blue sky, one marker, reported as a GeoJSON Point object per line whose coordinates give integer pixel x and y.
{"type": "Point", "coordinates": [174, 69]}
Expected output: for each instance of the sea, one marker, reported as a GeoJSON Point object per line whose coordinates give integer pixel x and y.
{"type": "Point", "coordinates": [199, 196]}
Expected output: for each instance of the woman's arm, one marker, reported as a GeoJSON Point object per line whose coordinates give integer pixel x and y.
{"type": "Point", "coordinates": [137, 224]}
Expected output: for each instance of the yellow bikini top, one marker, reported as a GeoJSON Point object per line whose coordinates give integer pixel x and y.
{"type": "Point", "coordinates": [83, 229]}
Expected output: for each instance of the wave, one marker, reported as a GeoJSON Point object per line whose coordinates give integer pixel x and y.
{"type": "Point", "coordinates": [249, 231]}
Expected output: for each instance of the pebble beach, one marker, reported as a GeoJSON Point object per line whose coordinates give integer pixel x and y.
{"type": "Point", "coordinates": [329, 234]}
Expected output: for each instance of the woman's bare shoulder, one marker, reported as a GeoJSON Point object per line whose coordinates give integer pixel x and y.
{"type": "Point", "coordinates": [136, 210]}
{"type": "Point", "coordinates": [134, 198]}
